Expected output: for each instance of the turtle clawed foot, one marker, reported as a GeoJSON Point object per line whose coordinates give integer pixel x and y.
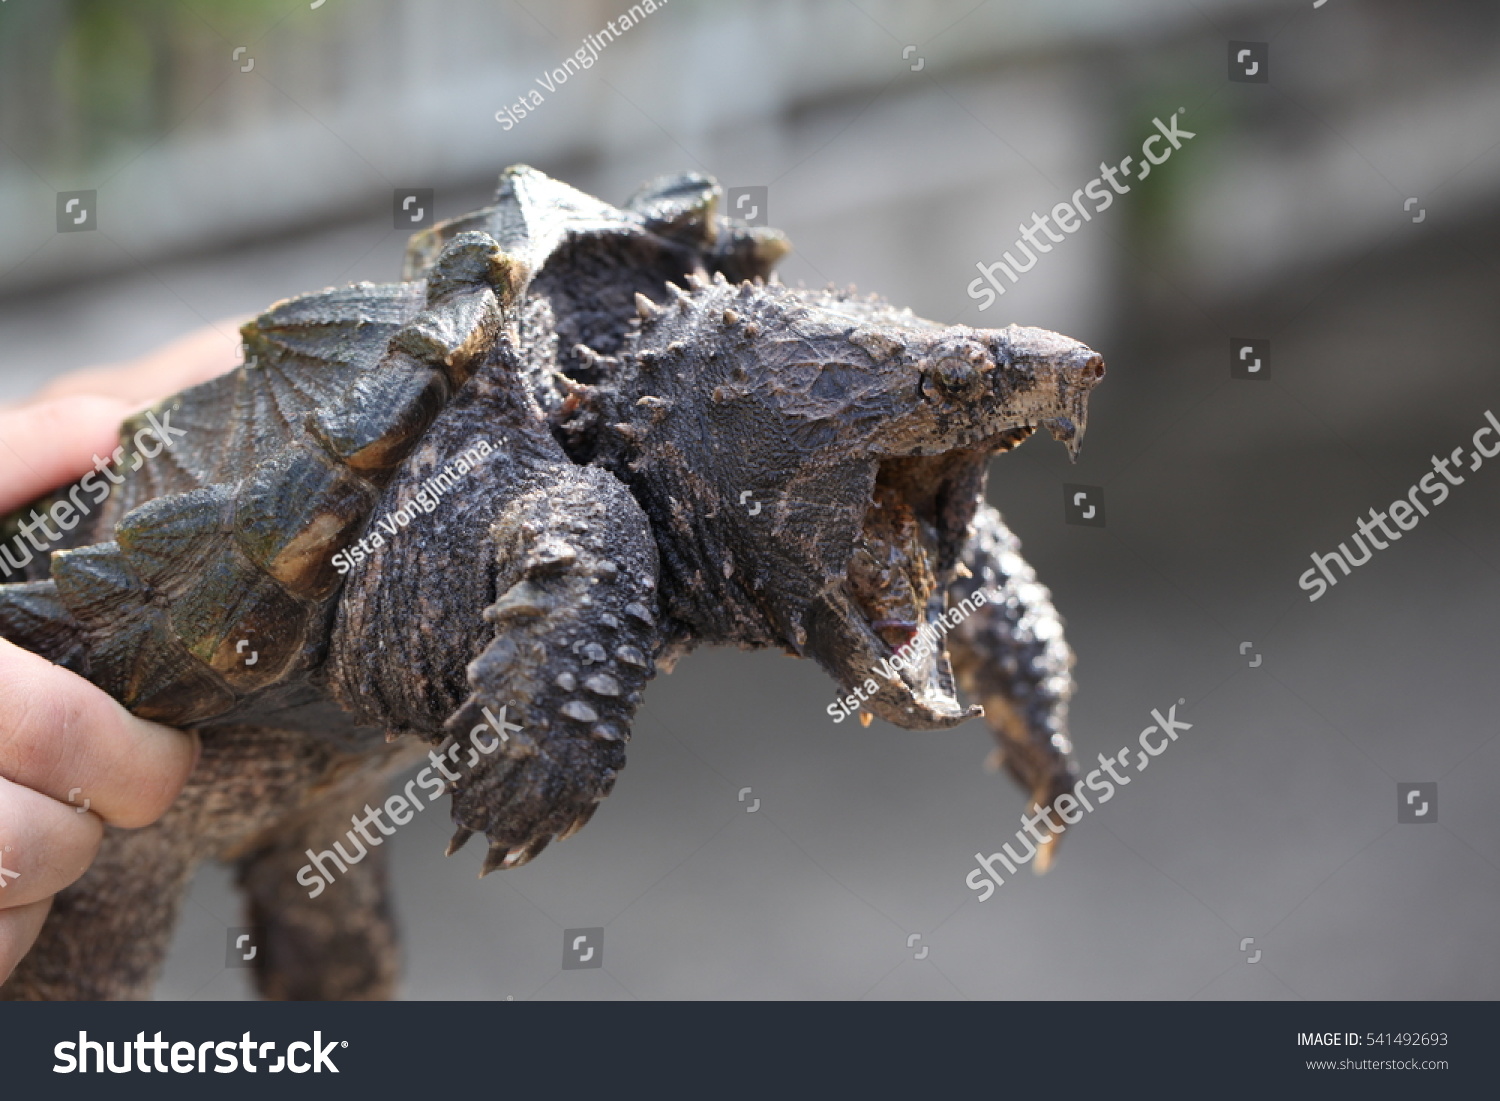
{"type": "Point", "coordinates": [512, 854]}
{"type": "Point", "coordinates": [502, 855]}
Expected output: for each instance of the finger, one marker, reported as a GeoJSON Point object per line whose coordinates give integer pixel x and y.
{"type": "Point", "coordinates": [61, 736]}
{"type": "Point", "coordinates": [197, 357]}
{"type": "Point", "coordinates": [50, 444]}
{"type": "Point", "coordinates": [19, 928]}
{"type": "Point", "coordinates": [44, 845]}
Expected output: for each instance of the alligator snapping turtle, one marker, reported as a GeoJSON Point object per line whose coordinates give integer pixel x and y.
{"type": "Point", "coordinates": [479, 507]}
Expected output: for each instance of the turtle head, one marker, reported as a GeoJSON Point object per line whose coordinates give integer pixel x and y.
{"type": "Point", "coordinates": [813, 462]}
{"type": "Point", "coordinates": [925, 408]}
{"type": "Point", "coordinates": [949, 389]}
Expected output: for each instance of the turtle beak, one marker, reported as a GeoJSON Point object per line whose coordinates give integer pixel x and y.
{"type": "Point", "coordinates": [910, 685]}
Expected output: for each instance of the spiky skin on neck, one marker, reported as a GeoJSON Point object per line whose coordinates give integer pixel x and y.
{"type": "Point", "coordinates": [773, 414]}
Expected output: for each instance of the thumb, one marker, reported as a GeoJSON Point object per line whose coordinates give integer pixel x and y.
{"type": "Point", "coordinates": [52, 443]}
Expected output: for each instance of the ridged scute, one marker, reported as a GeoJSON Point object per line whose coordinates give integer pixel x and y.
{"type": "Point", "coordinates": [216, 591]}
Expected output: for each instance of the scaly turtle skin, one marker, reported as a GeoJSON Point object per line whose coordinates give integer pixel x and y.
{"type": "Point", "coordinates": [479, 508]}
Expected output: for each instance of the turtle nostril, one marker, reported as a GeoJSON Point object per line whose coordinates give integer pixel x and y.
{"type": "Point", "coordinates": [1095, 366]}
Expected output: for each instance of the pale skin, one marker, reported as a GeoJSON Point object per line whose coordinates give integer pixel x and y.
{"type": "Point", "coordinates": [61, 738]}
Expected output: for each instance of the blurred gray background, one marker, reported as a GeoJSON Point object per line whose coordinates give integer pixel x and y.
{"type": "Point", "coordinates": [1347, 210]}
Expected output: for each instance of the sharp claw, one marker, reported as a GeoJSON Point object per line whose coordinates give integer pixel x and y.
{"type": "Point", "coordinates": [502, 856]}
{"type": "Point", "coordinates": [1045, 795]}
{"type": "Point", "coordinates": [1044, 854]}
{"type": "Point", "coordinates": [458, 841]}
{"type": "Point", "coordinates": [578, 823]}
{"type": "Point", "coordinates": [498, 857]}
{"type": "Point", "coordinates": [865, 718]}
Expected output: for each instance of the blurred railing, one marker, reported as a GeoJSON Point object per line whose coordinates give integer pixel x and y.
{"type": "Point", "coordinates": [201, 124]}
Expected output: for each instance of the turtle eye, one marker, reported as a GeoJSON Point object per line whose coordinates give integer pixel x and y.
{"type": "Point", "coordinates": [955, 375]}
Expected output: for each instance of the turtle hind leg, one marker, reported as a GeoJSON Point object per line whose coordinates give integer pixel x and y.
{"type": "Point", "coordinates": [340, 943]}
{"type": "Point", "coordinates": [34, 618]}
{"type": "Point", "coordinates": [107, 934]}
{"type": "Point", "coordinates": [1010, 655]}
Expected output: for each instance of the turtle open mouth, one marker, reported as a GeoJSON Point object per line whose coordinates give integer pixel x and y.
{"type": "Point", "coordinates": [881, 628]}
{"type": "Point", "coordinates": [893, 573]}
{"type": "Point", "coordinates": [903, 561]}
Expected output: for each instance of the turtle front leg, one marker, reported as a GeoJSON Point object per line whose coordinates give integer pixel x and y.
{"type": "Point", "coordinates": [543, 731]}
{"type": "Point", "coordinates": [513, 623]}
{"type": "Point", "coordinates": [518, 637]}
{"type": "Point", "coordinates": [1011, 656]}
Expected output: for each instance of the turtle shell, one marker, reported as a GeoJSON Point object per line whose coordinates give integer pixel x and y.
{"type": "Point", "coordinates": [219, 574]}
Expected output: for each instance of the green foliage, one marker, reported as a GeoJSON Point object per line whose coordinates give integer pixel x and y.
{"type": "Point", "coordinates": [86, 79]}
{"type": "Point", "coordinates": [1154, 214]}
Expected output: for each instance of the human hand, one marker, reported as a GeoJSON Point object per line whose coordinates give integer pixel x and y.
{"type": "Point", "coordinates": [53, 438]}
{"type": "Point", "coordinates": [72, 760]}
